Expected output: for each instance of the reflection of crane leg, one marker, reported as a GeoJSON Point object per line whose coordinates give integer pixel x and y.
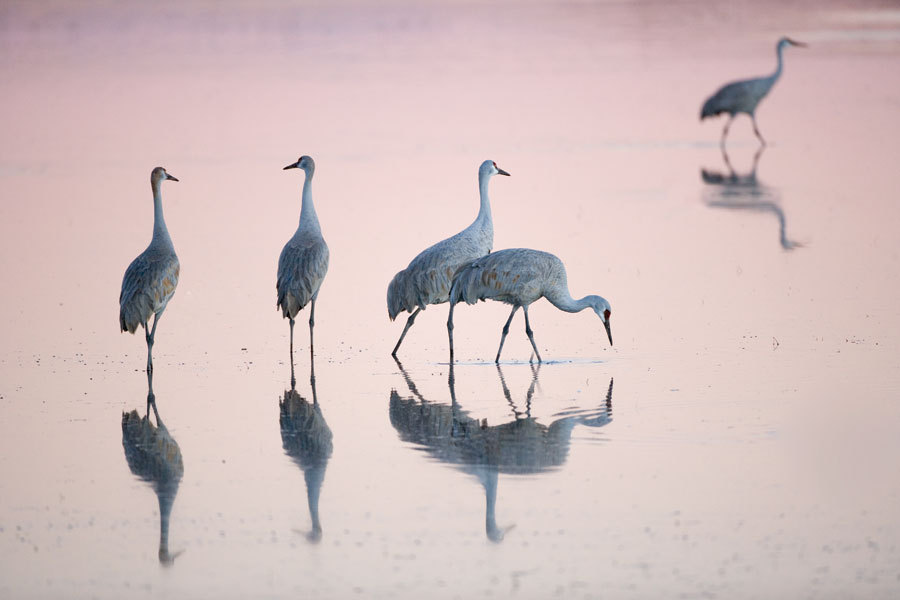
{"type": "Point", "coordinates": [756, 130]}
{"type": "Point", "coordinates": [409, 323]}
{"type": "Point", "coordinates": [293, 379]}
{"type": "Point", "coordinates": [450, 329]}
{"type": "Point", "coordinates": [725, 131]}
{"type": "Point", "coordinates": [530, 334]}
{"type": "Point", "coordinates": [505, 331]}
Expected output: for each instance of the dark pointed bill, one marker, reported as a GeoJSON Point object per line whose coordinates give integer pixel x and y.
{"type": "Point", "coordinates": [291, 166]}
{"type": "Point", "coordinates": [502, 172]}
{"type": "Point", "coordinates": [796, 43]}
{"type": "Point", "coordinates": [608, 331]}
{"type": "Point", "coordinates": [170, 178]}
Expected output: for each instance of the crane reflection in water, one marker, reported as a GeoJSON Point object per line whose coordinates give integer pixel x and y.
{"type": "Point", "coordinates": [306, 438]}
{"type": "Point", "coordinates": [744, 192]}
{"type": "Point", "coordinates": [520, 446]}
{"type": "Point", "coordinates": [153, 455]}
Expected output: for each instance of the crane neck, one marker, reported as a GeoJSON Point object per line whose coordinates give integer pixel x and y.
{"type": "Point", "coordinates": [309, 221]}
{"type": "Point", "coordinates": [160, 231]}
{"type": "Point", "coordinates": [484, 211]}
{"type": "Point", "coordinates": [562, 299]}
{"type": "Point", "coordinates": [779, 51]}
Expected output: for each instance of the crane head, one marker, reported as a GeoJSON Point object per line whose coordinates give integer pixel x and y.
{"type": "Point", "coordinates": [159, 174]}
{"type": "Point", "coordinates": [304, 162]}
{"type": "Point", "coordinates": [489, 168]}
{"type": "Point", "coordinates": [601, 307]}
{"type": "Point", "coordinates": [786, 41]}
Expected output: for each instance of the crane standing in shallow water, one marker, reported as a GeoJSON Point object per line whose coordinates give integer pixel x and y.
{"type": "Point", "coordinates": [303, 262]}
{"type": "Point", "coordinates": [744, 96]}
{"type": "Point", "coordinates": [519, 276]}
{"type": "Point", "coordinates": [427, 278]}
{"type": "Point", "coordinates": [151, 278]}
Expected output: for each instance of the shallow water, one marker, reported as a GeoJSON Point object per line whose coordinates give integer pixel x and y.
{"type": "Point", "coordinates": [739, 440]}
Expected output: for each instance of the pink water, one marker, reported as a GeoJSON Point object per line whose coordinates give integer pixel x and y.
{"type": "Point", "coordinates": [748, 448]}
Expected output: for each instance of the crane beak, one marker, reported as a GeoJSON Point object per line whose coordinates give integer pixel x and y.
{"type": "Point", "coordinates": [502, 172]}
{"type": "Point", "coordinates": [608, 331]}
{"type": "Point", "coordinates": [796, 43]}
{"type": "Point", "coordinates": [170, 178]}
{"type": "Point", "coordinates": [296, 165]}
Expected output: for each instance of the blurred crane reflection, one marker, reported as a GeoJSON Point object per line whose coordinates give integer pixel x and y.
{"type": "Point", "coordinates": [520, 446]}
{"type": "Point", "coordinates": [306, 438]}
{"type": "Point", "coordinates": [154, 456]}
{"type": "Point", "coordinates": [735, 191]}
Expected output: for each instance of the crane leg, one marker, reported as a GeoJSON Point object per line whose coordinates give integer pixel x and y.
{"type": "Point", "coordinates": [725, 131]}
{"type": "Point", "coordinates": [505, 332]}
{"type": "Point", "coordinates": [530, 335]}
{"type": "Point", "coordinates": [312, 323]}
{"type": "Point", "coordinates": [293, 379]}
{"type": "Point", "coordinates": [409, 323]}
{"type": "Point", "coordinates": [756, 130]}
{"type": "Point", "coordinates": [450, 329]}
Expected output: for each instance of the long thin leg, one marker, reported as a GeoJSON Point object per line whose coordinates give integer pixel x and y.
{"type": "Point", "coordinates": [312, 322]}
{"type": "Point", "coordinates": [756, 130]}
{"type": "Point", "coordinates": [725, 131]}
{"type": "Point", "coordinates": [151, 339]}
{"type": "Point", "coordinates": [409, 323]}
{"type": "Point", "coordinates": [530, 334]}
{"type": "Point", "coordinates": [505, 331]}
{"type": "Point", "coordinates": [293, 379]}
{"type": "Point", "coordinates": [450, 329]}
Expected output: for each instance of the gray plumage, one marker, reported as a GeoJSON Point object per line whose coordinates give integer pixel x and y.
{"type": "Point", "coordinates": [519, 276]}
{"type": "Point", "coordinates": [744, 96]}
{"type": "Point", "coordinates": [151, 278]}
{"type": "Point", "coordinates": [303, 262]}
{"type": "Point", "coordinates": [428, 277]}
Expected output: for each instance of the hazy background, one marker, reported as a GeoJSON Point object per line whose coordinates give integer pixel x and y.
{"type": "Point", "coordinates": [754, 429]}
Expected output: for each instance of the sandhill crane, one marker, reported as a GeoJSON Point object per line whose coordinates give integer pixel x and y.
{"type": "Point", "coordinates": [427, 278]}
{"type": "Point", "coordinates": [154, 456]}
{"type": "Point", "coordinates": [303, 262]}
{"type": "Point", "coordinates": [522, 446]}
{"type": "Point", "coordinates": [519, 276]}
{"type": "Point", "coordinates": [743, 96]}
{"type": "Point", "coordinates": [744, 192]}
{"type": "Point", "coordinates": [150, 279]}
{"type": "Point", "coordinates": [306, 438]}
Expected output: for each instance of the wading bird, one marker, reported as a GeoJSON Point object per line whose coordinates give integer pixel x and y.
{"type": "Point", "coordinates": [744, 96]}
{"type": "Point", "coordinates": [427, 278]}
{"type": "Point", "coordinates": [151, 278]}
{"type": "Point", "coordinates": [519, 276]}
{"type": "Point", "coordinates": [303, 262]}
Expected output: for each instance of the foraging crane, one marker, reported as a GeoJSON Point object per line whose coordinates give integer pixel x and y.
{"type": "Point", "coordinates": [150, 279]}
{"type": "Point", "coordinates": [744, 96]}
{"type": "Point", "coordinates": [427, 278]}
{"type": "Point", "coordinates": [519, 276]}
{"type": "Point", "coordinates": [303, 262]}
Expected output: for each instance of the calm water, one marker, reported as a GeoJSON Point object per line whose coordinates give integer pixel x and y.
{"type": "Point", "coordinates": [740, 440]}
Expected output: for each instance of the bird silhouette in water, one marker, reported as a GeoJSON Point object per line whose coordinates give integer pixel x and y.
{"type": "Point", "coordinates": [153, 455]}
{"type": "Point", "coordinates": [151, 278]}
{"type": "Point", "coordinates": [745, 95]}
{"type": "Point", "coordinates": [426, 280]}
{"type": "Point", "coordinates": [303, 262]}
{"type": "Point", "coordinates": [521, 446]}
{"type": "Point", "coordinates": [520, 276]}
{"type": "Point", "coordinates": [744, 192]}
{"type": "Point", "coordinates": [307, 439]}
